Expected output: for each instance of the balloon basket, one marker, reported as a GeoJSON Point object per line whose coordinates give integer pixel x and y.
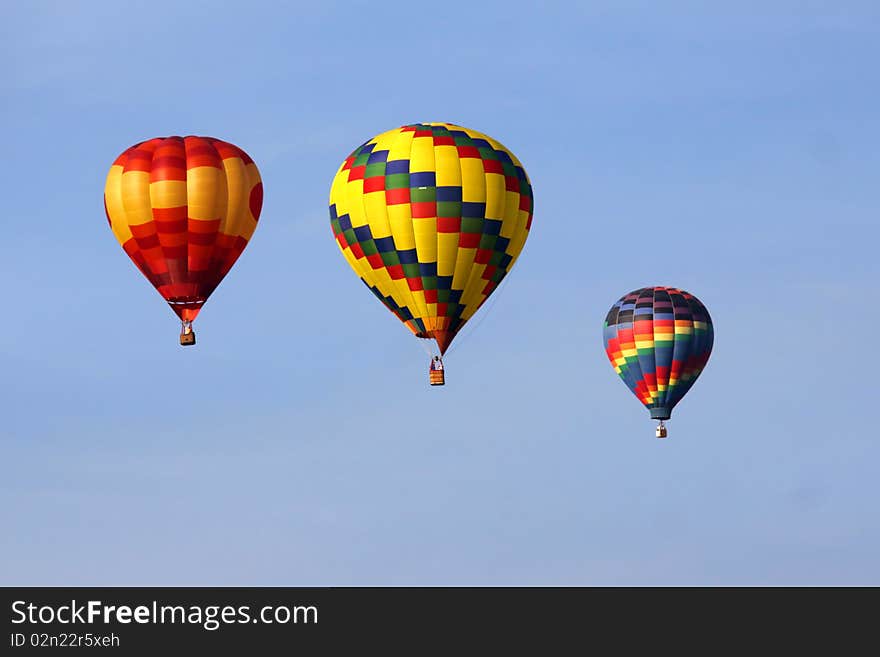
{"type": "Point", "coordinates": [661, 430]}
{"type": "Point", "coordinates": [187, 339]}
{"type": "Point", "coordinates": [436, 377]}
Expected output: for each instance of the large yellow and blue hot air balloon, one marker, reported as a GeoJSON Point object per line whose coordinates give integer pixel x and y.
{"type": "Point", "coordinates": [431, 217]}
{"type": "Point", "coordinates": [183, 209]}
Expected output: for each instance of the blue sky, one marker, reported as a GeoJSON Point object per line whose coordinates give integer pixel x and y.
{"type": "Point", "coordinates": [728, 150]}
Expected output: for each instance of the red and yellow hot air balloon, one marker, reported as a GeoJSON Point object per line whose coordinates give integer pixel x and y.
{"type": "Point", "coordinates": [431, 217]}
{"type": "Point", "coordinates": [183, 209]}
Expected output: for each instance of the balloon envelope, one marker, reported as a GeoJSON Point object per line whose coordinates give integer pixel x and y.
{"type": "Point", "coordinates": [183, 209]}
{"type": "Point", "coordinates": [431, 217]}
{"type": "Point", "coordinates": [658, 339]}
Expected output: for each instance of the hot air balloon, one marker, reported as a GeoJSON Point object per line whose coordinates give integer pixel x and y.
{"type": "Point", "coordinates": [431, 217]}
{"type": "Point", "coordinates": [658, 339]}
{"type": "Point", "coordinates": [183, 209]}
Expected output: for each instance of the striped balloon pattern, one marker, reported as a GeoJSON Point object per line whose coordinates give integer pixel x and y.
{"type": "Point", "coordinates": [658, 339]}
{"type": "Point", "coordinates": [431, 217]}
{"type": "Point", "coordinates": [183, 209]}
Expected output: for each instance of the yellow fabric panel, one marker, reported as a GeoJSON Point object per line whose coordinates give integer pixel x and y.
{"type": "Point", "coordinates": [447, 166]}
{"type": "Point", "coordinates": [447, 253]}
{"type": "Point", "coordinates": [425, 230]}
{"type": "Point", "coordinates": [136, 198]}
{"type": "Point", "coordinates": [519, 238]}
{"type": "Point", "coordinates": [400, 144]}
{"type": "Point", "coordinates": [238, 189]}
{"type": "Point", "coordinates": [421, 155]}
{"type": "Point", "coordinates": [115, 208]}
{"type": "Point", "coordinates": [241, 179]}
{"type": "Point", "coordinates": [496, 196]}
{"type": "Point", "coordinates": [511, 215]}
{"type": "Point", "coordinates": [403, 296]}
{"type": "Point", "coordinates": [473, 180]}
{"type": "Point", "coordinates": [516, 246]}
{"type": "Point", "coordinates": [473, 291]}
{"type": "Point", "coordinates": [353, 193]}
{"type": "Point", "coordinates": [377, 216]}
{"type": "Point", "coordinates": [168, 194]}
{"type": "Point", "coordinates": [400, 221]}
{"type": "Point", "coordinates": [383, 280]}
{"type": "Point", "coordinates": [520, 234]}
{"type": "Point", "coordinates": [464, 262]}
{"type": "Point", "coordinates": [205, 193]}
{"type": "Point", "coordinates": [365, 271]}
{"type": "Point", "coordinates": [387, 140]}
